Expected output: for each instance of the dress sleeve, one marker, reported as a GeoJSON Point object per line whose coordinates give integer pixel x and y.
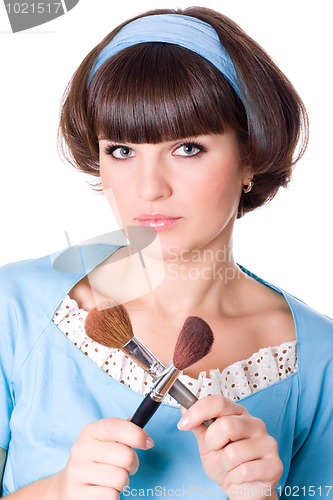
{"type": "Point", "coordinates": [311, 468]}
{"type": "Point", "coordinates": [7, 347]}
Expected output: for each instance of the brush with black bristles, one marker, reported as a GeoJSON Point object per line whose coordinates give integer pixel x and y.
{"type": "Point", "coordinates": [194, 342]}
{"type": "Point", "coordinates": [109, 324]}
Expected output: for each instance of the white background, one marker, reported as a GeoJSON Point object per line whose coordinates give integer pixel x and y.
{"type": "Point", "coordinates": [287, 242]}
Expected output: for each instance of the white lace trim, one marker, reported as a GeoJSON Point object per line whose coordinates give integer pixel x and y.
{"type": "Point", "coordinates": [262, 369]}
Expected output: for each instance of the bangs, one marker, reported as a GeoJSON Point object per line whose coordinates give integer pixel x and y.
{"type": "Point", "coordinates": [156, 92]}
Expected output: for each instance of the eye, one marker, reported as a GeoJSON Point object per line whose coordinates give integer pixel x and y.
{"type": "Point", "coordinates": [119, 152]}
{"type": "Point", "coordinates": [189, 149]}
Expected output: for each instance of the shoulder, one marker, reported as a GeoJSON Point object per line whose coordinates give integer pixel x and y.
{"type": "Point", "coordinates": [314, 330]}
{"type": "Point", "coordinates": [46, 279]}
{"type": "Point", "coordinates": [314, 377]}
{"type": "Point", "coordinates": [31, 284]}
{"type": "Point", "coordinates": [314, 333]}
{"type": "Point", "coordinates": [314, 429]}
{"type": "Point", "coordinates": [26, 287]}
{"type": "Point", "coordinates": [313, 327]}
{"type": "Point", "coordinates": [16, 274]}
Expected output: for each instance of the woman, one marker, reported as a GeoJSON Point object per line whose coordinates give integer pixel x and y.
{"type": "Point", "coordinates": [189, 125]}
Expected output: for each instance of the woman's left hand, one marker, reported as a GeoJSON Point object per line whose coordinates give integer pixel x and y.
{"type": "Point", "coordinates": [236, 451]}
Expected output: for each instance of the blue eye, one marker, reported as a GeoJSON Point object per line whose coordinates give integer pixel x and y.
{"type": "Point", "coordinates": [189, 149]}
{"type": "Point", "coordinates": [119, 152]}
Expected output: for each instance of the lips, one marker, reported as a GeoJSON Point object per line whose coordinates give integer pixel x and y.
{"type": "Point", "coordinates": [157, 221]}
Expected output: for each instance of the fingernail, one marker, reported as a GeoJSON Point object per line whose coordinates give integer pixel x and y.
{"type": "Point", "coordinates": [183, 422]}
{"type": "Point", "coordinates": [149, 443]}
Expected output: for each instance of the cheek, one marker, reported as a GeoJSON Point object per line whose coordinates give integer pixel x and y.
{"type": "Point", "coordinates": [220, 189]}
{"type": "Point", "coordinates": [111, 182]}
{"type": "Point", "coordinates": [105, 176]}
{"type": "Point", "coordinates": [114, 191]}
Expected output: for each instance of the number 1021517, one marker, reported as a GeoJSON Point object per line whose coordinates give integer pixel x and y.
{"type": "Point", "coordinates": [33, 8]}
{"type": "Point", "coordinates": [305, 491]}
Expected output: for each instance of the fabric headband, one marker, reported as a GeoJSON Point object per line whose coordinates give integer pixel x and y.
{"type": "Point", "coordinates": [186, 31]}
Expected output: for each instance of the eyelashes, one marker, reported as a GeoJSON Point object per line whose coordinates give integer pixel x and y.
{"type": "Point", "coordinates": [108, 150]}
{"type": "Point", "coordinates": [123, 152]}
{"type": "Point", "coordinates": [196, 145]}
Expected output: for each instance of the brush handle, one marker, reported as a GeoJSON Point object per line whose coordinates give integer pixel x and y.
{"type": "Point", "coordinates": [182, 394]}
{"type": "Point", "coordinates": [145, 411]}
{"type": "Point", "coordinates": [156, 395]}
{"type": "Point", "coordinates": [139, 353]}
{"type": "Point", "coordinates": [148, 406]}
{"type": "Point", "coordinates": [186, 398]}
{"type": "Point", "coordinates": [164, 384]}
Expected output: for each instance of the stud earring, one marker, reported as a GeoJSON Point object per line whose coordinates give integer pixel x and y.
{"type": "Point", "coordinates": [248, 187]}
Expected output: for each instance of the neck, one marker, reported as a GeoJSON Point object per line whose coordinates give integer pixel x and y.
{"type": "Point", "coordinates": [180, 284]}
{"type": "Point", "coordinates": [193, 281]}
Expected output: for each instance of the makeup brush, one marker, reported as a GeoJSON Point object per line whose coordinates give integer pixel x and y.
{"type": "Point", "coordinates": [194, 342]}
{"type": "Point", "coordinates": [109, 324]}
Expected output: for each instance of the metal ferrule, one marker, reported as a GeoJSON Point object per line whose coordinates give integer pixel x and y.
{"type": "Point", "coordinates": [143, 357]}
{"type": "Point", "coordinates": [164, 383]}
{"type": "Point", "coordinates": [150, 364]}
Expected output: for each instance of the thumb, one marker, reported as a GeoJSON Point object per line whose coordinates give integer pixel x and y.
{"type": "Point", "coordinates": [199, 431]}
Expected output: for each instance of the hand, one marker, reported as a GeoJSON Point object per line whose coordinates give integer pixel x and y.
{"type": "Point", "coordinates": [101, 460]}
{"type": "Point", "coordinates": [236, 451]}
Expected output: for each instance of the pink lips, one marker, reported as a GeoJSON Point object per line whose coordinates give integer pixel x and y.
{"type": "Point", "coordinates": [157, 221]}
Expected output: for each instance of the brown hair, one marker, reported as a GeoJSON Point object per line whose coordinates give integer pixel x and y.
{"type": "Point", "coordinates": [155, 92]}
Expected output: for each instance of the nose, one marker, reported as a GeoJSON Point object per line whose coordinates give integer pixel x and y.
{"type": "Point", "coordinates": [153, 181]}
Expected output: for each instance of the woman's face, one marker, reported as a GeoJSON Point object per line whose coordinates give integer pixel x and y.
{"type": "Point", "coordinates": [188, 190]}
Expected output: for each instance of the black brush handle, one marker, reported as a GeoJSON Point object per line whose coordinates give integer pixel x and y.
{"type": "Point", "coordinates": [148, 407]}
{"type": "Point", "coordinates": [145, 411]}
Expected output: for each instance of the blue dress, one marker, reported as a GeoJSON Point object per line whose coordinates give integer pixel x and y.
{"type": "Point", "coordinates": [49, 390]}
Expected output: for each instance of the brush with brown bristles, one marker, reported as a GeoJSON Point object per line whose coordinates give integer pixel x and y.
{"type": "Point", "coordinates": [109, 324]}
{"type": "Point", "coordinates": [194, 342]}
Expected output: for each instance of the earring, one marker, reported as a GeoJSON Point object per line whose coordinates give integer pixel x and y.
{"type": "Point", "coordinates": [247, 189]}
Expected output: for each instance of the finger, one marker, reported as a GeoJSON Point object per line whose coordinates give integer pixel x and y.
{"type": "Point", "coordinates": [117, 429]}
{"type": "Point", "coordinates": [265, 470]}
{"type": "Point", "coordinates": [207, 408]}
{"type": "Point", "coordinates": [199, 432]}
{"type": "Point", "coordinates": [246, 450]}
{"type": "Point", "coordinates": [108, 476]}
{"type": "Point", "coordinates": [100, 493]}
{"type": "Point", "coordinates": [117, 454]}
{"type": "Point", "coordinates": [232, 428]}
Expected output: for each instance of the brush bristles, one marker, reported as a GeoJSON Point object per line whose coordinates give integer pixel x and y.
{"type": "Point", "coordinates": [194, 342]}
{"type": "Point", "coordinates": [109, 324]}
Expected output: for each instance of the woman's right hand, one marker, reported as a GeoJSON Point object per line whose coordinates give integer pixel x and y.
{"type": "Point", "coordinates": [101, 460]}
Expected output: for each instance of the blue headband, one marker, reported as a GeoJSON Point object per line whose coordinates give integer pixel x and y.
{"type": "Point", "coordinates": [186, 31]}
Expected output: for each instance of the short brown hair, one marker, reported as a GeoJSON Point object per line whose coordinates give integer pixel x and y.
{"type": "Point", "coordinates": [155, 92]}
